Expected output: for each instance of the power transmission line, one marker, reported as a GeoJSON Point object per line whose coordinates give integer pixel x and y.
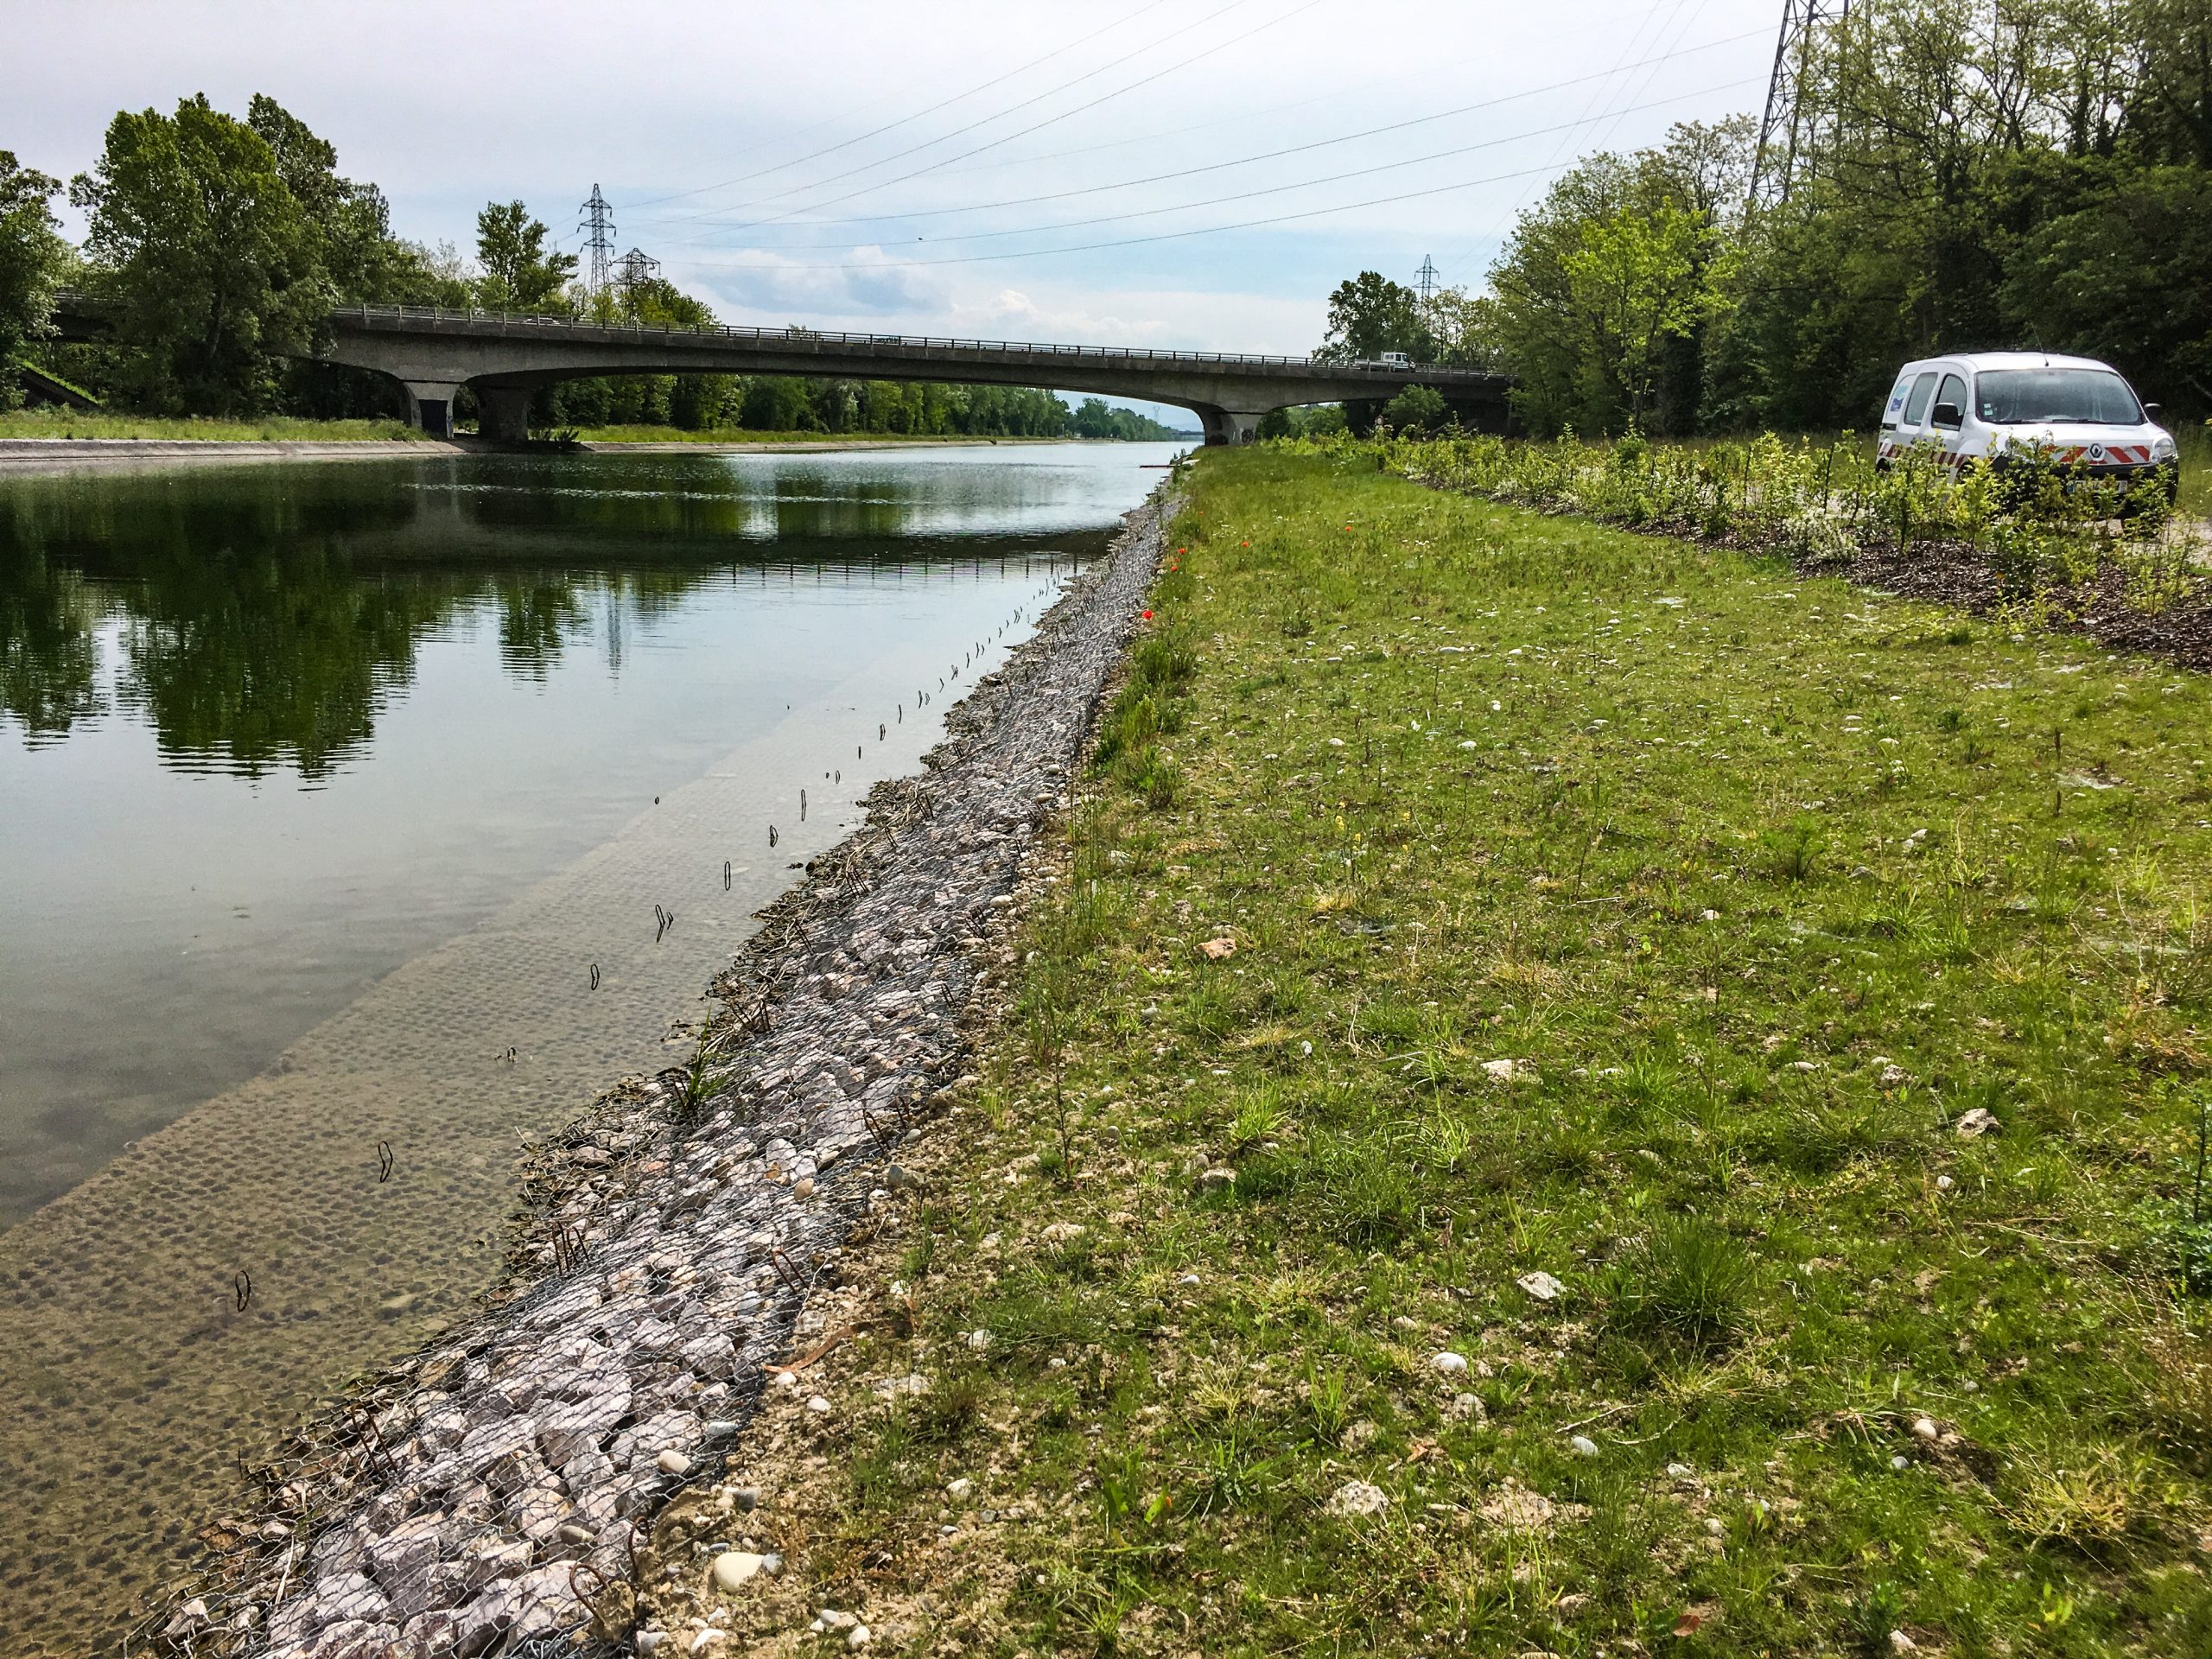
{"type": "Point", "coordinates": [599, 242]}
{"type": "Point", "coordinates": [961, 131]}
{"type": "Point", "coordinates": [1209, 229]}
{"type": "Point", "coordinates": [1592, 115]}
{"type": "Point", "coordinates": [890, 126]}
{"type": "Point", "coordinates": [1775, 165]}
{"type": "Point", "coordinates": [1393, 81]}
{"type": "Point", "coordinates": [1249, 195]}
{"type": "Point", "coordinates": [913, 214]}
{"type": "Point", "coordinates": [1104, 98]}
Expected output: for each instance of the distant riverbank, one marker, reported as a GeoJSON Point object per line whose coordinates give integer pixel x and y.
{"type": "Point", "coordinates": [19, 456]}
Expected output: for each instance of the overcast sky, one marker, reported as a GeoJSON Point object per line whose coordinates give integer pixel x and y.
{"type": "Point", "coordinates": [1010, 171]}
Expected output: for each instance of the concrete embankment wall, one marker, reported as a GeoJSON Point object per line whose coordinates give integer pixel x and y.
{"type": "Point", "coordinates": [490, 1493]}
{"type": "Point", "coordinates": [19, 456]}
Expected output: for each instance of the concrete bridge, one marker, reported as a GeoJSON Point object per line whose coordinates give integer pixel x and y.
{"type": "Point", "coordinates": [504, 358]}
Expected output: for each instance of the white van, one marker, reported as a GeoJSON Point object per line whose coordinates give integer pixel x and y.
{"type": "Point", "coordinates": [2069, 412]}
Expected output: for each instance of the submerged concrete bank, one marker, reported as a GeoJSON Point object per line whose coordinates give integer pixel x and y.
{"type": "Point", "coordinates": [489, 1493]}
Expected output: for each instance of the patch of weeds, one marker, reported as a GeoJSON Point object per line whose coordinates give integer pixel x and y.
{"type": "Point", "coordinates": [948, 1412]}
{"type": "Point", "coordinates": [1686, 1278]}
{"type": "Point", "coordinates": [880, 1475]}
{"type": "Point", "coordinates": [1260, 1115]}
{"type": "Point", "coordinates": [1790, 850]}
{"type": "Point", "coordinates": [2087, 1496]}
{"type": "Point", "coordinates": [1871, 1614]}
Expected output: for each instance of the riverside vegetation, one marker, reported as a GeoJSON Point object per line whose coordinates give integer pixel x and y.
{"type": "Point", "coordinates": [1570, 1091]}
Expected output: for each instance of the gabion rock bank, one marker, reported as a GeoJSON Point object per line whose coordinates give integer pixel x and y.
{"type": "Point", "coordinates": [486, 1496]}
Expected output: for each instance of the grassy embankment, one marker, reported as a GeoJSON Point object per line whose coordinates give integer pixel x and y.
{"type": "Point", "coordinates": [1810, 983]}
{"type": "Point", "coordinates": [273, 428]}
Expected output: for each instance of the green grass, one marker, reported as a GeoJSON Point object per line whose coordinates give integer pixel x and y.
{"type": "Point", "coordinates": [1763, 886]}
{"type": "Point", "coordinates": [2194, 439]}
{"type": "Point", "coordinates": [80, 423]}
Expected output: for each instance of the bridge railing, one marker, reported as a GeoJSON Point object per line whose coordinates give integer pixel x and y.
{"type": "Point", "coordinates": [370, 316]}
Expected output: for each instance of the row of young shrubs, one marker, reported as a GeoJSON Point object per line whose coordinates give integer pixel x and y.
{"type": "Point", "coordinates": [2039, 529]}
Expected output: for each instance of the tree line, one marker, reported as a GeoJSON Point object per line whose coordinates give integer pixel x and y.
{"type": "Point", "coordinates": [1967, 175]}
{"type": "Point", "coordinates": [218, 248]}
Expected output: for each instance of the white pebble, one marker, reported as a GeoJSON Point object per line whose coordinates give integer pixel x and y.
{"type": "Point", "coordinates": [672, 1462]}
{"type": "Point", "coordinates": [818, 1406]}
{"type": "Point", "coordinates": [1584, 1445]}
{"type": "Point", "coordinates": [979, 1340]}
{"type": "Point", "coordinates": [859, 1637]}
{"type": "Point", "coordinates": [1450, 1363]}
{"type": "Point", "coordinates": [734, 1568]}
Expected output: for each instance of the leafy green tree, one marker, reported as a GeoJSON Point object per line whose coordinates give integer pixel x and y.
{"type": "Point", "coordinates": [1371, 315]}
{"type": "Point", "coordinates": [2169, 109]}
{"type": "Point", "coordinates": [1636, 282]}
{"type": "Point", "coordinates": [2127, 277]}
{"type": "Point", "coordinates": [1415, 410]}
{"type": "Point", "coordinates": [32, 257]}
{"type": "Point", "coordinates": [520, 273]}
{"type": "Point", "coordinates": [349, 225]}
{"type": "Point", "coordinates": [205, 256]}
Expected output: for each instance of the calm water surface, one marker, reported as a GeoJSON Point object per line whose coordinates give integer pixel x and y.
{"type": "Point", "coordinates": [335, 805]}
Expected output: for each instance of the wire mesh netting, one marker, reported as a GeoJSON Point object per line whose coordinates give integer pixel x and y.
{"type": "Point", "coordinates": [488, 1496]}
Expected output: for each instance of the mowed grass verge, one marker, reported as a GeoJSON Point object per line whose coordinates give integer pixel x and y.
{"type": "Point", "coordinates": [1808, 986]}
{"type": "Point", "coordinates": [272, 429]}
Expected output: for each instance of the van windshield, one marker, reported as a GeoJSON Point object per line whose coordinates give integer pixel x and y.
{"type": "Point", "coordinates": [2093, 396]}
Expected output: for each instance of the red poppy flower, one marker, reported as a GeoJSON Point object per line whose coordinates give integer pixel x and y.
{"type": "Point", "coordinates": [1148, 616]}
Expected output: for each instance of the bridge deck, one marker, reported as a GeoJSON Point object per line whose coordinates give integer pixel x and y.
{"type": "Point", "coordinates": [493, 325]}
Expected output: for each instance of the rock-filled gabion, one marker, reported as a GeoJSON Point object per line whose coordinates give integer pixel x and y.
{"type": "Point", "coordinates": [487, 1495]}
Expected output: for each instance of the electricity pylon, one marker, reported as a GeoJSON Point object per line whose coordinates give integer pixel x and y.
{"type": "Point", "coordinates": [1427, 277]}
{"type": "Point", "coordinates": [633, 272]}
{"type": "Point", "coordinates": [598, 225]}
{"type": "Point", "coordinates": [1774, 166]}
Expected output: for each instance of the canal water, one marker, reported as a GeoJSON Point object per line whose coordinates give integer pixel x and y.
{"type": "Point", "coordinates": [359, 822]}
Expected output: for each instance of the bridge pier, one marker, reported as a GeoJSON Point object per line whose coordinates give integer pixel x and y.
{"type": "Point", "coordinates": [1231, 426]}
{"type": "Point", "coordinates": [503, 413]}
{"type": "Point", "coordinates": [429, 405]}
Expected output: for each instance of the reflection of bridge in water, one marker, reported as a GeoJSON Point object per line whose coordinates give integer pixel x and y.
{"type": "Point", "coordinates": [503, 360]}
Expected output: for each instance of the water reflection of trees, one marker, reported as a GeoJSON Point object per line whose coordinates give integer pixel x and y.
{"type": "Point", "coordinates": [266, 617]}
{"type": "Point", "coordinates": [49, 664]}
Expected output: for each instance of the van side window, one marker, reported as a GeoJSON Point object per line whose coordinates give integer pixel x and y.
{"type": "Point", "coordinates": [1895, 407]}
{"type": "Point", "coordinates": [1954, 392]}
{"type": "Point", "coordinates": [1917, 406]}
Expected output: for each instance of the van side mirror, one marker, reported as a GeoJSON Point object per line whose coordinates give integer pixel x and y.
{"type": "Point", "coordinates": [2154, 412]}
{"type": "Point", "coordinates": [1947, 415]}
